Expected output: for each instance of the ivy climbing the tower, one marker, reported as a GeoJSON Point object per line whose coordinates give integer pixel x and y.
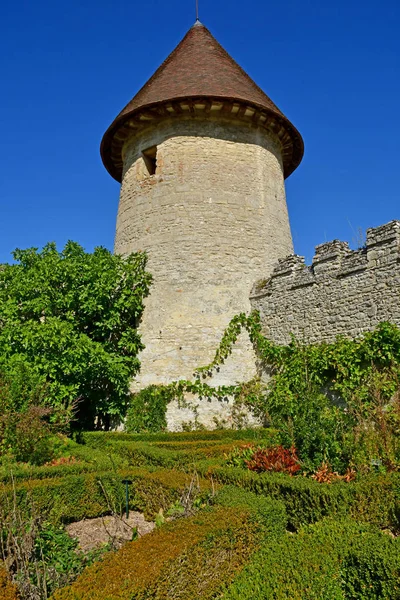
{"type": "Point", "coordinates": [335, 402]}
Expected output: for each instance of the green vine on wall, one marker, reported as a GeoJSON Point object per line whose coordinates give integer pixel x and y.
{"type": "Point", "coordinates": [324, 398]}
{"type": "Point", "coordinates": [342, 364]}
{"type": "Point", "coordinates": [264, 348]}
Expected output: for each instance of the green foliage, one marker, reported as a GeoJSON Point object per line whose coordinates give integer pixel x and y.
{"type": "Point", "coordinates": [371, 568]}
{"type": "Point", "coordinates": [98, 439]}
{"type": "Point", "coordinates": [39, 556]}
{"type": "Point", "coordinates": [56, 560]}
{"type": "Point", "coordinates": [146, 454]}
{"type": "Point", "coordinates": [237, 546]}
{"type": "Point", "coordinates": [201, 570]}
{"type": "Point", "coordinates": [337, 403]}
{"type": "Point", "coordinates": [72, 497]}
{"type": "Point", "coordinates": [57, 548]}
{"type": "Point", "coordinates": [174, 450]}
{"type": "Point", "coordinates": [85, 459]}
{"type": "Point", "coordinates": [71, 318]}
{"type": "Point", "coordinates": [166, 561]}
{"type": "Point", "coordinates": [333, 560]}
{"type": "Point", "coordinates": [373, 499]}
{"type": "Point", "coordinates": [269, 513]}
{"type": "Point", "coordinates": [240, 455]}
{"type": "Point", "coordinates": [147, 409]}
{"type": "Point", "coordinates": [187, 558]}
{"type": "Point", "coordinates": [67, 498]}
{"type": "Point", "coordinates": [27, 421]}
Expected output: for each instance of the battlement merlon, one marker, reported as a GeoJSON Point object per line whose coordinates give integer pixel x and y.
{"type": "Point", "coordinates": [282, 276]}
{"type": "Point", "coordinates": [384, 234]}
{"type": "Point", "coordinates": [329, 257]}
{"type": "Point", "coordinates": [383, 244]}
{"type": "Point", "coordinates": [289, 266]}
{"type": "Point", "coordinates": [334, 260]}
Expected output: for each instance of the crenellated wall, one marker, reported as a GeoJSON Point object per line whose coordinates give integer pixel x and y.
{"type": "Point", "coordinates": [343, 292]}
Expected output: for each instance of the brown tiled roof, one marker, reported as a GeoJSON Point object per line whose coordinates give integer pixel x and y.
{"type": "Point", "coordinates": [198, 67]}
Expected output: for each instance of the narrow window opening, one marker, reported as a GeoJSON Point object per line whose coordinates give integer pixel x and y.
{"type": "Point", "coordinates": [150, 159]}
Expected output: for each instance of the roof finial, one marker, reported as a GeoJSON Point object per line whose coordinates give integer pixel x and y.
{"type": "Point", "coordinates": [197, 12]}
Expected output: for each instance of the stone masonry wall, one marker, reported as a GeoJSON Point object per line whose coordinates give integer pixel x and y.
{"type": "Point", "coordinates": [343, 292]}
{"type": "Point", "coordinates": [213, 219]}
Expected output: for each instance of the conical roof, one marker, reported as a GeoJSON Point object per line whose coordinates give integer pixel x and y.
{"type": "Point", "coordinates": [199, 67]}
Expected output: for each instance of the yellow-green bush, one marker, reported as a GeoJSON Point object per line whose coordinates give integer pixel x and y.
{"type": "Point", "coordinates": [131, 571]}
{"type": "Point", "coordinates": [99, 438]}
{"type": "Point", "coordinates": [87, 460]}
{"type": "Point", "coordinates": [138, 454]}
{"type": "Point", "coordinates": [174, 450]}
{"type": "Point", "coordinates": [75, 497]}
{"type": "Point", "coordinates": [8, 590]}
{"type": "Point", "coordinates": [202, 569]}
{"type": "Point", "coordinates": [331, 560]}
{"type": "Point", "coordinates": [374, 499]}
{"type": "Point", "coordinates": [188, 558]}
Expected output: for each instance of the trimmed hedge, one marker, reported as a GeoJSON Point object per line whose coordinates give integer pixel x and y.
{"type": "Point", "coordinates": [188, 558]}
{"type": "Point", "coordinates": [333, 560]}
{"type": "Point", "coordinates": [134, 570]}
{"type": "Point", "coordinates": [175, 450]}
{"type": "Point", "coordinates": [140, 454]}
{"type": "Point", "coordinates": [196, 444]}
{"type": "Point", "coordinates": [8, 590]}
{"type": "Point", "coordinates": [98, 438]}
{"type": "Point", "coordinates": [88, 460]}
{"type": "Point", "coordinates": [75, 497]}
{"type": "Point", "coordinates": [374, 499]}
{"type": "Point", "coordinates": [371, 569]}
{"type": "Point", "coordinates": [269, 514]}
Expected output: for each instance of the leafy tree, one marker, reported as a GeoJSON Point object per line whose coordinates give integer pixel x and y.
{"type": "Point", "coordinates": [71, 317]}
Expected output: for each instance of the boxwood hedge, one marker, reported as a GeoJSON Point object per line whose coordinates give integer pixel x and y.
{"type": "Point", "coordinates": [333, 559]}
{"type": "Point", "coordinates": [188, 558]}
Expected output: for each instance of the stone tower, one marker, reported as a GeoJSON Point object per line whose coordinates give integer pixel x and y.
{"type": "Point", "coordinates": [201, 153]}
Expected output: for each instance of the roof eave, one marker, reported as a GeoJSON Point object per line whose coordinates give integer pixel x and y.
{"type": "Point", "coordinates": [122, 118]}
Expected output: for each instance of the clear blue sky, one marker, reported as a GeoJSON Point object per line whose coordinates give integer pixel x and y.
{"type": "Point", "coordinates": [68, 68]}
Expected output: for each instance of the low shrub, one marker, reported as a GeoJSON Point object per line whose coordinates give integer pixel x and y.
{"type": "Point", "coordinates": [197, 445]}
{"type": "Point", "coordinates": [76, 497]}
{"type": "Point", "coordinates": [8, 590]}
{"type": "Point", "coordinates": [28, 422]}
{"type": "Point", "coordinates": [269, 514]}
{"type": "Point", "coordinates": [333, 560]}
{"type": "Point", "coordinates": [202, 569]}
{"type": "Point", "coordinates": [140, 454]}
{"type": "Point", "coordinates": [99, 438]}
{"type": "Point", "coordinates": [275, 459]}
{"type": "Point", "coordinates": [373, 499]}
{"type": "Point", "coordinates": [178, 451]}
{"type": "Point", "coordinates": [132, 571]}
{"type": "Point", "coordinates": [371, 568]}
{"type": "Point", "coordinates": [188, 558]}
{"type": "Point", "coordinates": [87, 460]}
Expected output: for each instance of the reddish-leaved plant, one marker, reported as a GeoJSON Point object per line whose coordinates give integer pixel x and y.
{"type": "Point", "coordinates": [324, 474]}
{"type": "Point", "coordinates": [277, 459]}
